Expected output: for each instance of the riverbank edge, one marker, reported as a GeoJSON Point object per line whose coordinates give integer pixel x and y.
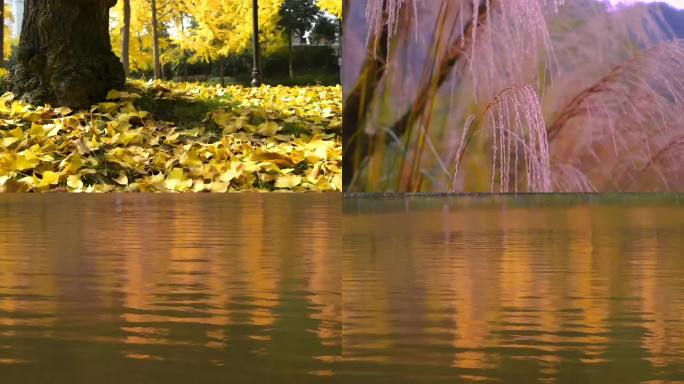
{"type": "Point", "coordinates": [428, 200]}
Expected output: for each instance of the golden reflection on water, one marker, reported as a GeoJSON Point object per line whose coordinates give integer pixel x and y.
{"type": "Point", "coordinates": [241, 282]}
{"type": "Point", "coordinates": [518, 294]}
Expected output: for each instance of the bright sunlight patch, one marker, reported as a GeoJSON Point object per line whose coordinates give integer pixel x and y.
{"type": "Point", "coordinates": [245, 139]}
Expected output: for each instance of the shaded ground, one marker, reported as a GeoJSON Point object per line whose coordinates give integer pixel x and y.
{"type": "Point", "coordinates": [165, 136]}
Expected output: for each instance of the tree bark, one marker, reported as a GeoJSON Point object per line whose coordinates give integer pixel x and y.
{"type": "Point", "coordinates": [222, 64]}
{"type": "Point", "coordinates": [155, 41]}
{"type": "Point", "coordinates": [65, 56]}
{"type": "Point", "coordinates": [2, 33]}
{"type": "Point", "coordinates": [126, 36]}
{"type": "Point", "coordinates": [208, 72]}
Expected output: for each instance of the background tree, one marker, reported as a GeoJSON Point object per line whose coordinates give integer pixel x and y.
{"type": "Point", "coordinates": [155, 40]}
{"type": "Point", "coordinates": [65, 56]}
{"type": "Point", "coordinates": [325, 29]}
{"type": "Point", "coordinates": [141, 38]}
{"type": "Point", "coordinates": [220, 28]}
{"type": "Point", "coordinates": [297, 16]}
{"type": "Point", "coordinates": [333, 7]}
{"type": "Point", "coordinates": [126, 36]}
{"type": "Point", "coordinates": [6, 41]}
{"type": "Point", "coordinates": [2, 33]}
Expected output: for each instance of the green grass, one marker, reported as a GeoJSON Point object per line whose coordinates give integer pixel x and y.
{"type": "Point", "coordinates": [301, 79]}
{"type": "Point", "coordinates": [184, 113]}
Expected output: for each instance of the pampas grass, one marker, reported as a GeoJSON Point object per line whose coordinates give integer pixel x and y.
{"type": "Point", "coordinates": [516, 95]}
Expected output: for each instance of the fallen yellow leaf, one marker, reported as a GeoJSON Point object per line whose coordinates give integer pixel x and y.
{"type": "Point", "coordinates": [288, 181]}
{"type": "Point", "coordinates": [122, 179]}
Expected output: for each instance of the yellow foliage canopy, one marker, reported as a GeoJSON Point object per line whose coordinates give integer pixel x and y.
{"type": "Point", "coordinates": [8, 41]}
{"type": "Point", "coordinates": [333, 7]}
{"type": "Point", "coordinates": [224, 27]}
{"type": "Point", "coordinates": [140, 51]}
{"type": "Point", "coordinates": [208, 29]}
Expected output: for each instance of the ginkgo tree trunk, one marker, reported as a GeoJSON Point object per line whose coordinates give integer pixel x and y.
{"type": "Point", "coordinates": [155, 41]}
{"type": "Point", "coordinates": [65, 56]}
{"type": "Point", "coordinates": [2, 33]}
{"type": "Point", "coordinates": [126, 36]}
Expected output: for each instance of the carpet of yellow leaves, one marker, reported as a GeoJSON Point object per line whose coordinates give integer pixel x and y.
{"type": "Point", "coordinates": [261, 139]}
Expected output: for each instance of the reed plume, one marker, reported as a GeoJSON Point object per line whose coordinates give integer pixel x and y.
{"type": "Point", "coordinates": [563, 96]}
{"type": "Point", "coordinates": [621, 128]}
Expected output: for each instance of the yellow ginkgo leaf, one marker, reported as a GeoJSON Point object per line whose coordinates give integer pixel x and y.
{"type": "Point", "coordinates": [74, 182]}
{"type": "Point", "coordinates": [71, 163]}
{"type": "Point", "coordinates": [16, 133]}
{"type": "Point", "coordinates": [52, 130]}
{"type": "Point", "coordinates": [63, 111]}
{"type": "Point", "coordinates": [177, 181]}
{"type": "Point", "coordinates": [114, 95]}
{"type": "Point", "coordinates": [49, 178]}
{"type": "Point", "coordinates": [26, 160]}
{"type": "Point", "coordinates": [224, 120]}
{"type": "Point", "coordinates": [37, 131]}
{"type": "Point", "coordinates": [190, 159]}
{"type": "Point", "coordinates": [191, 132]}
{"type": "Point", "coordinates": [288, 181]}
{"type": "Point", "coordinates": [122, 179]}
{"type": "Point", "coordinates": [337, 182]}
{"type": "Point", "coordinates": [102, 188]}
{"type": "Point", "coordinates": [7, 141]}
{"type": "Point", "coordinates": [268, 129]}
{"type": "Point", "coordinates": [11, 137]}
{"type": "Point", "coordinates": [198, 185]}
{"type": "Point", "coordinates": [235, 171]}
{"type": "Point", "coordinates": [219, 187]}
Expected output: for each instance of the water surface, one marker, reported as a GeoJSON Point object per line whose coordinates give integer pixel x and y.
{"type": "Point", "coordinates": [173, 289]}
{"type": "Point", "coordinates": [557, 289]}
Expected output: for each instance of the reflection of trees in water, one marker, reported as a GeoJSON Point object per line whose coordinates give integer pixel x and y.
{"type": "Point", "coordinates": [218, 283]}
{"type": "Point", "coordinates": [565, 293]}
